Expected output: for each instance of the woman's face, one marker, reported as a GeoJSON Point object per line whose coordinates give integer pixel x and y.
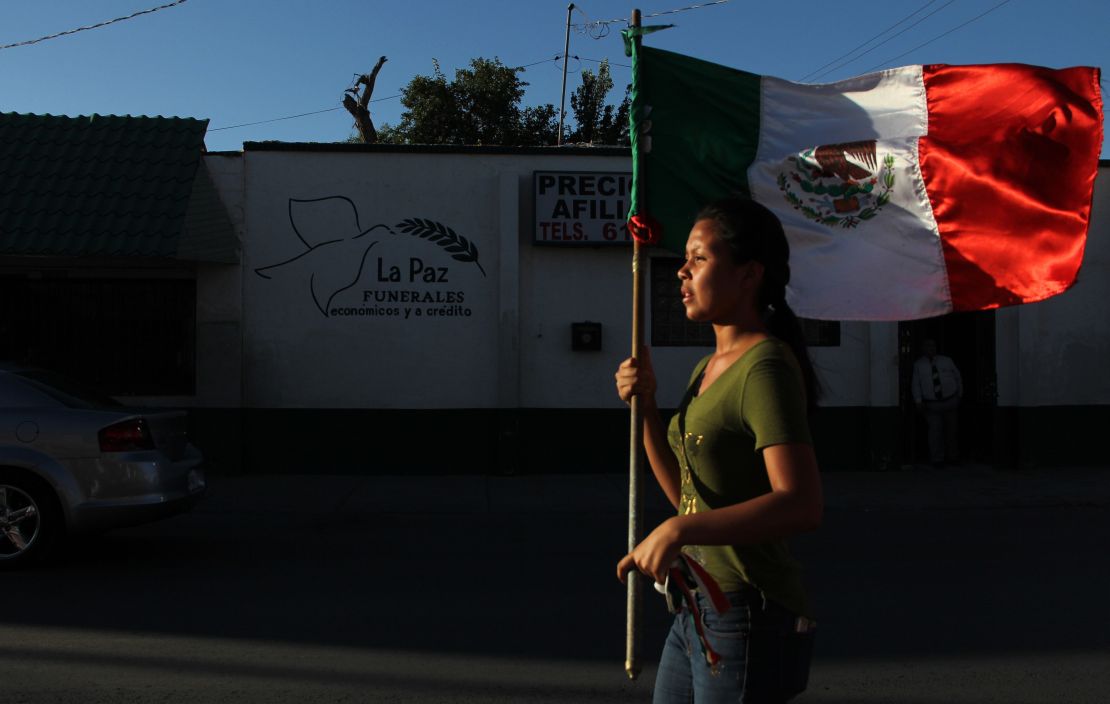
{"type": "Point", "coordinates": [715, 289]}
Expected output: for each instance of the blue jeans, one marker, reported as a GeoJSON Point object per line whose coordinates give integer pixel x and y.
{"type": "Point", "coordinates": [763, 660]}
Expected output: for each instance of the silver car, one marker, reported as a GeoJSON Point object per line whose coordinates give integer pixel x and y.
{"type": "Point", "coordinates": [73, 462]}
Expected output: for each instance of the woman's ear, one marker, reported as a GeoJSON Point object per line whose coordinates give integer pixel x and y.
{"type": "Point", "coordinates": [753, 274]}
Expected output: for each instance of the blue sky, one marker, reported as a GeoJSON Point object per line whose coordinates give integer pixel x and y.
{"type": "Point", "coordinates": [244, 61]}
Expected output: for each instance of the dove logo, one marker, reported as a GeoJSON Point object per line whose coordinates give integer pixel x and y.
{"type": "Point", "coordinates": [337, 247]}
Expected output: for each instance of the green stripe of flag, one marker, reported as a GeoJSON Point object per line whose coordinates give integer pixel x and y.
{"type": "Point", "coordinates": [699, 125]}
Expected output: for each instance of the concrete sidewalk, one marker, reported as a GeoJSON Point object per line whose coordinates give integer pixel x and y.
{"type": "Point", "coordinates": [969, 487]}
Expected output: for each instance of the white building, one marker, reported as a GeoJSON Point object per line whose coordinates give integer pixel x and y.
{"type": "Point", "coordinates": [442, 310]}
{"type": "Point", "coordinates": [411, 309]}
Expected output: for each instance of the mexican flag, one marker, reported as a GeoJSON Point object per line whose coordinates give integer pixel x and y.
{"type": "Point", "coordinates": [907, 193]}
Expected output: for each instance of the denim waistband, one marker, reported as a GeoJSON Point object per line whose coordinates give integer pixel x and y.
{"type": "Point", "coordinates": [746, 594]}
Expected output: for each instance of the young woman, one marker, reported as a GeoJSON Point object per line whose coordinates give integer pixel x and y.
{"type": "Point", "coordinates": [738, 464]}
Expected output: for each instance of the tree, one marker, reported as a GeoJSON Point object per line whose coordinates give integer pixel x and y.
{"type": "Point", "coordinates": [539, 126]}
{"type": "Point", "coordinates": [356, 103]}
{"type": "Point", "coordinates": [480, 106]}
{"type": "Point", "coordinates": [430, 112]}
{"type": "Point", "coordinates": [597, 121]}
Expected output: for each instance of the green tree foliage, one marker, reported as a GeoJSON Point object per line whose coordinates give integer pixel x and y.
{"type": "Point", "coordinates": [539, 126]}
{"type": "Point", "coordinates": [482, 105]}
{"type": "Point", "coordinates": [597, 121]}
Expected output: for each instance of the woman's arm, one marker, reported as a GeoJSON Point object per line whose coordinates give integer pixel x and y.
{"type": "Point", "coordinates": [794, 505]}
{"type": "Point", "coordinates": [637, 377]}
{"type": "Point", "coordinates": [664, 464]}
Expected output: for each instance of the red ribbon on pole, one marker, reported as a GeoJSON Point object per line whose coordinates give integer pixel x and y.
{"type": "Point", "coordinates": [645, 229]}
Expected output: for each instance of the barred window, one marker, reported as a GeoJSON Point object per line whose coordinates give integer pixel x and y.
{"type": "Point", "coordinates": [124, 337]}
{"type": "Point", "coordinates": [669, 325]}
{"type": "Point", "coordinates": [671, 328]}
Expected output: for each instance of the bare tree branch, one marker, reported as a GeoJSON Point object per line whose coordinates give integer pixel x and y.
{"type": "Point", "coordinates": [356, 102]}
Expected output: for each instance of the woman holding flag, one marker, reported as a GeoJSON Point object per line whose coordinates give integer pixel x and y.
{"type": "Point", "coordinates": [738, 464]}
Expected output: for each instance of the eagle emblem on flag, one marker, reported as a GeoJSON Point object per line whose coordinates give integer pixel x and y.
{"type": "Point", "coordinates": [838, 184]}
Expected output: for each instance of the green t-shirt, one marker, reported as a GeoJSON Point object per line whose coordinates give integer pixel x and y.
{"type": "Point", "coordinates": [718, 436]}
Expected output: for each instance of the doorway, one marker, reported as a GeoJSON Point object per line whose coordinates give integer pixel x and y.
{"type": "Point", "coordinates": [969, 339]}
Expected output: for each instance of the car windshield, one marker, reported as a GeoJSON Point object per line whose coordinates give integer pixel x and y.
{"type": "Point", "coordinates": [66, 391]}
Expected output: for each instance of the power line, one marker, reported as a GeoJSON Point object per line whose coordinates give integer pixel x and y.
{"type": "Point", "coordinates": [605, 23]}
{"type": "Point", "coordinates": [940, 36]}
{"type": "Point", "coordinates": [597, 61]}
{"type": "Point", "coordinates": [91, 26]}
{"type": "Point", "coordinates": [863, 44]}
{"type": "Point", "coordinates": [537, 63]}
{"type": "Point", "coordinates": [885, 41]}
{"type": "Point", "coordinates": [290, 117]}
{"type": "Point", "coordinates": [684, 9]}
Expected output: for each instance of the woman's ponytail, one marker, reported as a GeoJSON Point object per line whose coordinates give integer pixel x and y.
{"type": "Point", "coordinates": [783, 324]}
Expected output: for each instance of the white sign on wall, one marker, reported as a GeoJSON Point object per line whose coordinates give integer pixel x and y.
{"type": "Point", "coordinates": [582, 207]}
{"type": "Point", "coordinates": [370, 281]}
{"type": "Point", "coordinates": [347, 272]}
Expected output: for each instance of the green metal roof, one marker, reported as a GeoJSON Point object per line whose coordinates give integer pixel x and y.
{"type": "Point", "coordinates": [108, 186]}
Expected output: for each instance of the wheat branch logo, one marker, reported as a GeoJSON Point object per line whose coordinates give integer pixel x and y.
{"type": "Point", "coordinates": [456, 245]}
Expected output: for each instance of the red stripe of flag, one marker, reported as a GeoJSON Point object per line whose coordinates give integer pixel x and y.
{"type": "Point", "coordinates": [1009, 166]}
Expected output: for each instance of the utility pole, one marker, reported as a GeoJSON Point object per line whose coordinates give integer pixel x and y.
{"type": "Point", "coordinates": [563, 104]}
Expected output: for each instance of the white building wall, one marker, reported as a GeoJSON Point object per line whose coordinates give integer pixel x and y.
{"type": "Point", "coordinates": [220, 300]}
{"type": "Point", "coordinates": [564, 285]}
{"type": "Point", "coordinates": [560, 285]}
{"type": "Point", "coordinates": [883, 376]}
{"type": "Point", "coordinates": [325, 245]}
{"type": "Point", "coordinates": [863, 370]}
{"type": "Point", "coordinates": [1050, 353]}
{"type": "Point", "coordinates": [513, 350]}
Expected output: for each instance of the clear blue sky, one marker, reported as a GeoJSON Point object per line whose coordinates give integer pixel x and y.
{"type": "Point", "coordinates": [243, 61]}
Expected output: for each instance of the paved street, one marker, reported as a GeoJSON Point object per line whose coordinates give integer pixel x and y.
{"type": "Point", "coordinates": [967, 585]}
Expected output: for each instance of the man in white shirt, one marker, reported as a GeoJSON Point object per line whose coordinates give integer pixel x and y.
{"type": "Point", "coordinates": [937, 390]}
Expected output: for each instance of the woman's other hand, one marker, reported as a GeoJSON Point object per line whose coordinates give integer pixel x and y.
{"type": "Point", "coordinates": [655, 553]}
{"type": "Point", "coordinates": [636, 377]}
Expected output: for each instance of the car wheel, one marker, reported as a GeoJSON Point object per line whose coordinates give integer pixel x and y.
{"type": "Point", "coordinates": [29, 518]}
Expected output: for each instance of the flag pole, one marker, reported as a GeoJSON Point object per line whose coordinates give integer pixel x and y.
{"type": "Point", "coordinates": [635, 450]}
